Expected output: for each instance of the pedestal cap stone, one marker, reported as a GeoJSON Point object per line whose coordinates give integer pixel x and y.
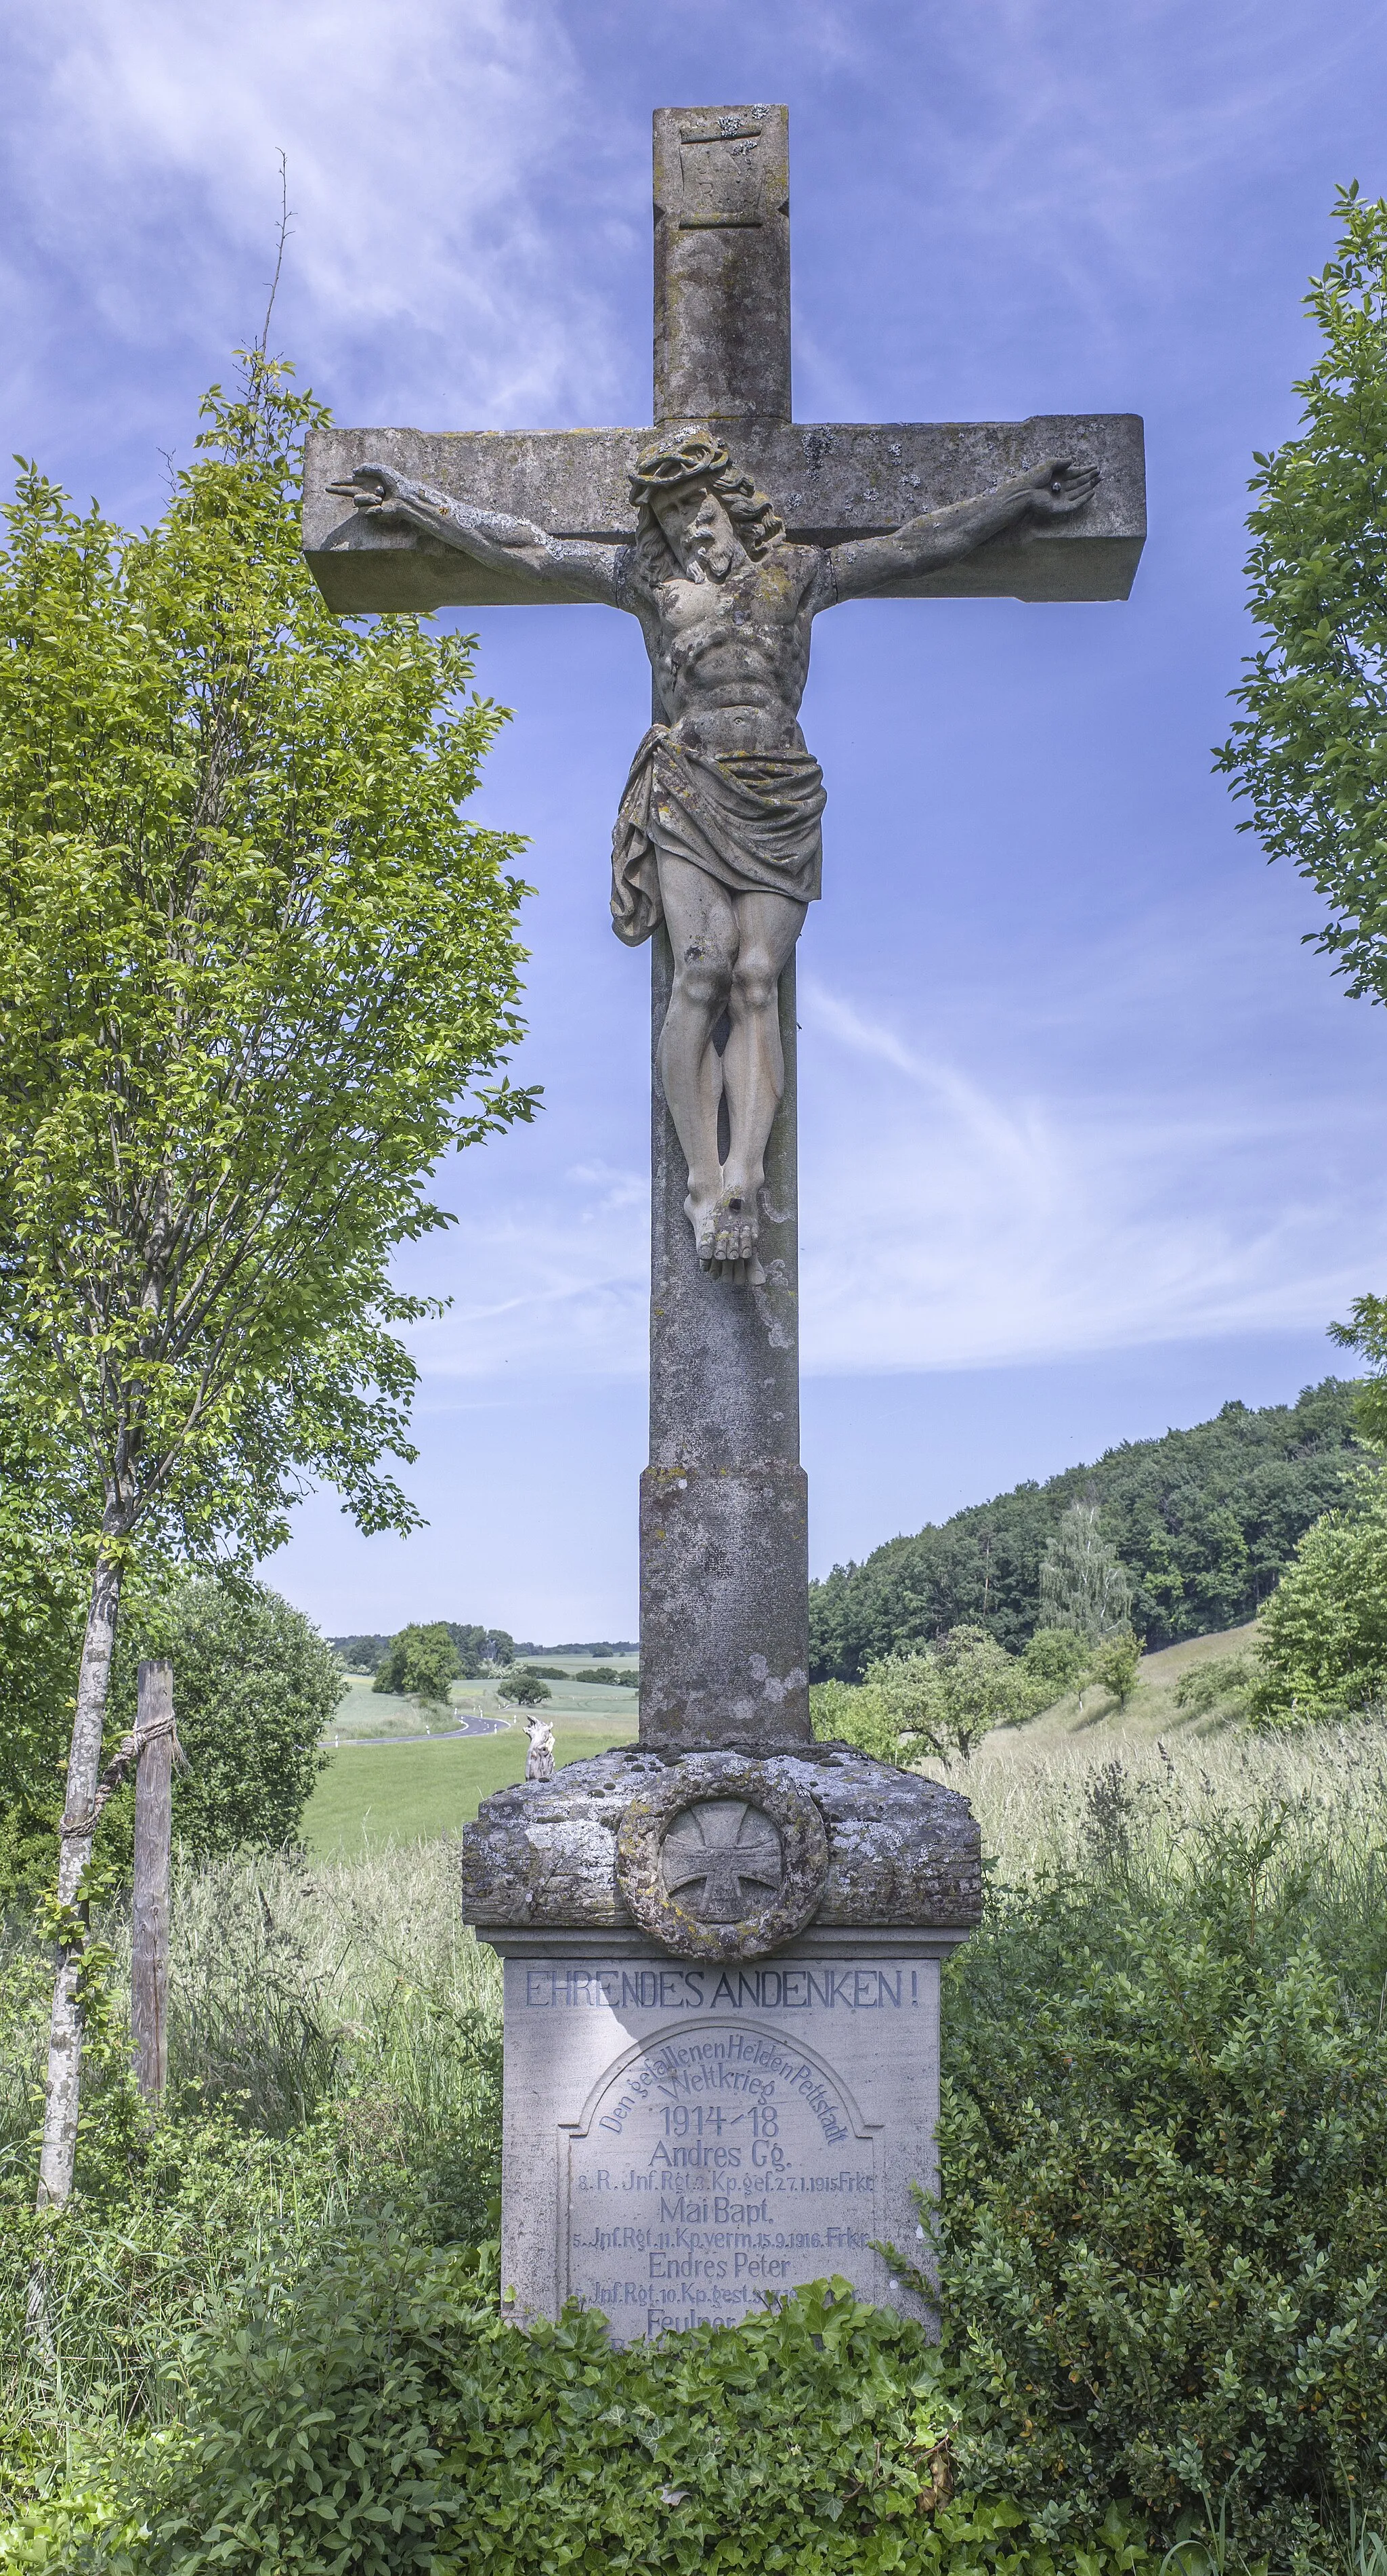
{"type": "Point", "coordinates": [901, 1851]}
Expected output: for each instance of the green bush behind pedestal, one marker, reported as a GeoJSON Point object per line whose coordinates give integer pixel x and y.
{"type": "Point", "coordinates": [1164, 2138]}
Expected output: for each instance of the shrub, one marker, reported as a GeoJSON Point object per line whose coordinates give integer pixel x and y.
{"type": "Point", "coordinates": [522, 1689]}
{"type": "Point", "coordinates": [1222, 1683]}
{"type": "Point", "coordinates": [390, 2421]}
{"type": "Point", "coordinates": [851, 1713]}
{"type": "Point", "coordinates": [1164, 2232]}
{"type": "Point", "coordinates": [1322, 1641]}
{"type": "Point", "coordinates": [1058, 1657]}
{"type": "Point", "coordinates": [254, 1685]}
{"type": "Point", "coordinates": [1116, 1663]}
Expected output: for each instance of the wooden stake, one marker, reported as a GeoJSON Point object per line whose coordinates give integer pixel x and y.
{"type": "Point", "coordinates": [153, 1838]}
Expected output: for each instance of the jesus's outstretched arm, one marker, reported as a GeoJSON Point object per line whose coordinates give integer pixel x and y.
{"type": "Point", "coordinates": [942, 537]}
{"type": "Point", "coordinates": [492, 537]}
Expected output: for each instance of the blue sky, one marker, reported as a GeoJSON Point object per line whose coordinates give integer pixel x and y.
{"type": "Point", "coordinates": [1090, 1140]}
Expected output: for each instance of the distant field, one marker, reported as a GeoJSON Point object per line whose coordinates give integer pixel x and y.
{"type": "Point", "coordinates": [412, 1791]}
{"type": "Point", "coordinates": [363, 1710]}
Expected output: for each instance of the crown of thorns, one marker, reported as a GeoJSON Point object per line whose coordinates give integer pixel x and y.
{"type": "Point", "coordinates": [696, 459]}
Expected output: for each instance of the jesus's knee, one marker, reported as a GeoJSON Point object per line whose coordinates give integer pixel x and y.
{"type": "Point", "coordinates": [755, 983]}
{"type": "Point", "coordinates": [703, 977]}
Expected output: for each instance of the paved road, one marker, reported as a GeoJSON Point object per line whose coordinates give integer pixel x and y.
{"type": "Point", "coordinates": [440, 1735]}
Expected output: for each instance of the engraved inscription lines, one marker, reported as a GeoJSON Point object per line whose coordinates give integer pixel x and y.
{"type": "Point", "coordinates": [715, 2166]}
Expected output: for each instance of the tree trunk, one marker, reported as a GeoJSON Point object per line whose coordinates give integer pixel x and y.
{"type": "Point", "coordinates": [149, 1972]}
{"type": "Point", "coordinates": [59, 2150]}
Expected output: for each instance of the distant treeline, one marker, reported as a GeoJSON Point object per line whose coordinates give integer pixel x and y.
{"type": "Point", "coordinates": [592, 1646]}
{"type": "Point", "coordinates": [1204, 1521]}
{"type": "Point", "coordinates": [476, 1648]}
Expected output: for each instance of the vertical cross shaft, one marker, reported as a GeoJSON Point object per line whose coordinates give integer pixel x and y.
{"type": "Point", "coordinates": [724, 1505]}
{"type": "Point", "coordinates": [722, 263]}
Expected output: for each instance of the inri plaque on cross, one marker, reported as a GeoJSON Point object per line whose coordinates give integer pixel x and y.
{"type": "Point", "coordinates": [669, 2131]}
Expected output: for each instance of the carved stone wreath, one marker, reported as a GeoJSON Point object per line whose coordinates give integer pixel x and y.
{"type": "Point", "coordinates": [720, 1860]}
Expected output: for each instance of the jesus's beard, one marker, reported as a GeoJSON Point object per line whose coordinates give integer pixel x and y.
{"type": "Point", "coordinates": [710, 559]}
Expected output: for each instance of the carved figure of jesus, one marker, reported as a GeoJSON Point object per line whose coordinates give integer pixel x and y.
{"type": "Point", "coordinates": [718, 831]}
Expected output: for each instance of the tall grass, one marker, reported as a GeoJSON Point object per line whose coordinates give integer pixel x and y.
{"type": "Point", "coordinates": [1068, 1805]}
{"type": "Point", "coordinates": [333, 2052]}
{"type": "Point", "coordinates": [334, 2039]}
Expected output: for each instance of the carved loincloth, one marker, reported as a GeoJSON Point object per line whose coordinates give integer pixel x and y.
{"type": "Point", "coordinates": [749, 819]}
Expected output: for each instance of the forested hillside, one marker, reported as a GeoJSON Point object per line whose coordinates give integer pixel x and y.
{"type": "Point", "coordinates": [1204, 1520]}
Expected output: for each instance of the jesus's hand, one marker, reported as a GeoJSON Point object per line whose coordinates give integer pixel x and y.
{"type": "Point", "coordinates": [387, 495]}
{"type": "Point", "coordinates": [1059, 486]}
{"type": "Point", "coordinates": [393, 501]}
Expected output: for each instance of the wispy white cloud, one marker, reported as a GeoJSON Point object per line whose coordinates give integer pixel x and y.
{"type": "Point", "coordinates": [957, 1212]}
{"type": "Point", "coordinates": [143, 138]}
{"type": "Point", "coordinates": [949, 1223]}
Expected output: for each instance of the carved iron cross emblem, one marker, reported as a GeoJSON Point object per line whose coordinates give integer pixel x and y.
{"type": "Point", "coordinates": [729, 1847]}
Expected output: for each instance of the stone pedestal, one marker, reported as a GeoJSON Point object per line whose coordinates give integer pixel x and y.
{"type": "Point", "coordinates": [721, 2023]}
{"type": "Point", "coordinates": [684, 2138]}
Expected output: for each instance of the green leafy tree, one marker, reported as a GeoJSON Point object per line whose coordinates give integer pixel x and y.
{"type": "Point", "coordinates": [853, 1713]}
{"type": "Point", "coordinates": [254, 1685]}
{"type": "Point", "coordinates": [1115, 1664]}
{"type": "Point", "coordinates": [1308, 755]}
{"type": "Point", "coordinates": [1273, 1469]}
{"type": "Point", "coordinates": [1366, 1332]}
{"type": "Point", "coordinates": [422, 1663]}
{"type": "Point", "coordinates": [42, 1591]}
{"type": "Point", "coordinates": [256, 973]}
{"type": "Point", "coordinates": [1082, 1585]}
{"type": "Point", "coordinates": [522, 1690]}
{"type": "Point", "coordinates": [1322, 1638]}
{"type": "Point", "coordinates": [940, 1703]}
{"type": "Point", "coordinates": [1058, 1659]}
{"type": "Point", "coordinates": [480, 1647]}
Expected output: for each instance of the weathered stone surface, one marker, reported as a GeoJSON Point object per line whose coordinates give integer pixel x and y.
{"type": "Point", "coordinates": [722, 263]}
{"type": "Point", "coordinates": [682, 2138]}
{"type": "Point", "coordinates": [725, 1606]}
{"type": "Point", "coordinates": [724, 1502]}
{"type": "Point", "coordinates": [831, 480]}
{"type": "Point", "coordinates": [902, 1850]}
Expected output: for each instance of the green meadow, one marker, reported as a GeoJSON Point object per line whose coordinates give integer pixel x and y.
{"type": "Point", "coordinates": [414, 1790]}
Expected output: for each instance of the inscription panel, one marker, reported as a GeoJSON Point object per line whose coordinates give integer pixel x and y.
{"type": "Point", "coordinates": [722, 172]}
{"type": "Point", "coordinates": [686, 2138]}
{"type": "Point", "coordinates": [719, 2163]}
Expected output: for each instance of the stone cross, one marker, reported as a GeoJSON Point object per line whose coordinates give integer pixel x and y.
{"type": "Point", "coordinates": [724, 1562]}
{"type": "Point", "coordinates": [722, 1945]}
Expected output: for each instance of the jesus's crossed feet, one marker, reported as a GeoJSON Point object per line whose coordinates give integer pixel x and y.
{"type": "Point", "coordinates": [726, 1226]}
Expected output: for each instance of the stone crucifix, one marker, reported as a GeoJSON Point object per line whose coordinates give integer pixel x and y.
{"type": "Point", "coordinates": [725, 530]}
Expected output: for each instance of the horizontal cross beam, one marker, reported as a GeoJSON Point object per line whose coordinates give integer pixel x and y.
{"type": "Point", "coordinates": [830, 482]}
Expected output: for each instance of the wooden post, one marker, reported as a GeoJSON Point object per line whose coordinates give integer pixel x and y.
{"type": "Point", "coordinates": [153, 1838]}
